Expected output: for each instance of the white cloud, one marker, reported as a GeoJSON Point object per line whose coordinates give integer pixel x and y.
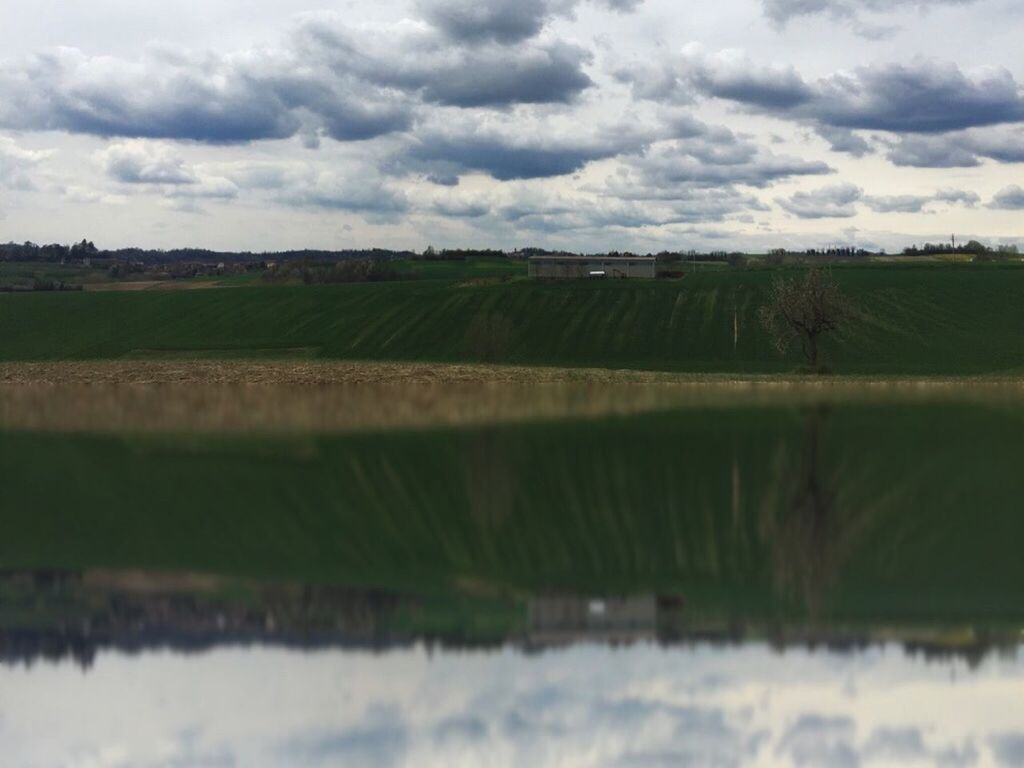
{"type": "Point", "coordinates": [567, 123]}
{"type": "Point", "coordinates": [17, 164]}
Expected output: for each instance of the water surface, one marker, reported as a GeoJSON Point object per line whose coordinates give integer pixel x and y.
{"type": "Point", "coordinates": [628, 576]}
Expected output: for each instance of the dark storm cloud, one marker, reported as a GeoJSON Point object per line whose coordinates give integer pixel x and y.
{"type": "Point", "coordinates": [357, 114]}
{"type": "Point", "coordinates": [932, 152]}
{"type": "Point", "coordinates": [543, 75]}
{"type": "Point", "coordinates": [844, 140]}
{"type": "Point", "coordinates": [727, 75]}
{"type": "Point", "coordinates": [945, 117]}
{"type": "Point", "coordinates": [204, 100]}
{"type": "Point", "coordinates": [213, 99]}
{"type": "Point", "coordinates": [1010, 199]}
{"type": "Point", "coordinates": [770, 88]}
{"type": "Point", "coordinates": [430, 68]}
{"type": "Point", "coordinates": [921, 97]}
{"type": "Point", "coordinates": [444, 152]}
{"type": "Point", "coordinates": [1005, 145]}
{"type": "Point", "coordinates": [349, 86]}
{"type": "Point", "coordinates": [782, 11]}
{"type": "Point", "coordinates": [960, 149]}
{"type": "Point", "coordinates": [503, 21]}
{"type": "Point", "coordinates": [501, 158]}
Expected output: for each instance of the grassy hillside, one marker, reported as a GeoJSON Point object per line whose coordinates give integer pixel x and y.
{"type": "Point", "coordinates": [917, 320]}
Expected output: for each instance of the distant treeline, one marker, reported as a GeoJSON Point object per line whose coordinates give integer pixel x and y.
{"type": "Point", "coordinates": [78, 252]}
{"type": "Point", "coordinates": [346, 271]}
{"type": "Point", "coordinates": [459, 254]}
{"type": "Point", "coordinates": [39, 285]}
{"type": "Point", "coordinates": [52, 253]}
{"type": "Point", "coordinates": [123, 258]}
{"type": "Point", "coordinates": [56, 253]}
{"type": "Point", "coordinates": [970, 248]}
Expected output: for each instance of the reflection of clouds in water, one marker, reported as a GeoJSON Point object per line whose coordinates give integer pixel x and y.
{"type": "Point", "coordinates": [182, 750]}
{"type": "Point", "coordinates": [817, 741]}
{"type": "Point", "coordinates": [588, 705]}
{"type": "Point", "coordinates": [1009, 749]}
{"type": "Point", "coordinates": [902, 744]}
{"type": "Point", "coordinates": [380, 738]}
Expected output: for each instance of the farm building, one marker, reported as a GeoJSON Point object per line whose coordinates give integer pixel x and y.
{"type": "Point", "coordinates": [560, 620]}
{"type": "Point", "coordinates": [574, 267]}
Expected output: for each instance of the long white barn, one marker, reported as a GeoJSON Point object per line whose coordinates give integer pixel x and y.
{"type": "Point", "coordinates": [575, 267]}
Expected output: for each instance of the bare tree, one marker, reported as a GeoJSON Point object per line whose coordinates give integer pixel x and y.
{"type": "Point", "coordinates": [803, 309]}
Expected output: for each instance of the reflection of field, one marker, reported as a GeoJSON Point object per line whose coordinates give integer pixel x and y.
{"type": "Point", "coordinates": [76, 614]}
{"type": "Point", "coordinates": [153, 285]}
{"type": "Point", "coordinates": [316, 397]}
{"type": "Point", "coordinates": [881, 518]}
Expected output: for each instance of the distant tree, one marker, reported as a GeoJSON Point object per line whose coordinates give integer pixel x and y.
{"type": "Point", "coordinates": [804, 309]}
{"type": "Point", "coordinates": [83, 249]}
{"type": "Point", "coordinates": [975, 247]}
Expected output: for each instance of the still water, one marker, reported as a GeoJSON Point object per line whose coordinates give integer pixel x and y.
{"type": "Point", "coordinates": [584, 705]}
{"type": "Point", "coordinates": [625, 578]}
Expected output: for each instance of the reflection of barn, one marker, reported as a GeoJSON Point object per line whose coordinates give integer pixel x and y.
{"type": "Point", "coordinates": [558, 620]}
{"type": "Point", "coordinates": [573, 267]}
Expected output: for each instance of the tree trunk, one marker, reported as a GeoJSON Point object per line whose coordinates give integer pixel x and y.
{"type": "Point", "coordinates": [812, 350]}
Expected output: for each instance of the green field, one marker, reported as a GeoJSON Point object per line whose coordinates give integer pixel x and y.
{"type": "Point", "coordinates": [935, 319]}
{"type": "Point", "coordinates": [23, 273]}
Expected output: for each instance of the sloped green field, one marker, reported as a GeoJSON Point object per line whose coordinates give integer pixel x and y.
{"type": "Point", "coordinates": [938, 319]}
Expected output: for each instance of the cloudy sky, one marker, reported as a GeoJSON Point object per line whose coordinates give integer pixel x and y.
{"type": "Point", "coordinates": [584, 124]}
{"type": "Point", "coordinates": [586, 707]}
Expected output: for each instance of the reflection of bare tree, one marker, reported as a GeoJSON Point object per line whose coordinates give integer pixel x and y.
{"type": "Point", "coordinates": [809, 523]}
{"type": "Point", "coordinates": [489, 477]}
